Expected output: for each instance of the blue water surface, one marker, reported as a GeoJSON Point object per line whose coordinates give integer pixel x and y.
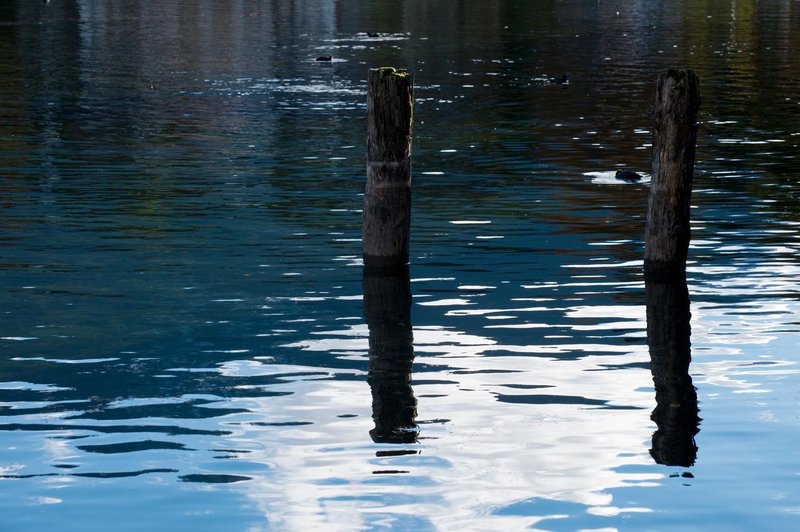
{"type": "Point", "coordinates": [187, 338]}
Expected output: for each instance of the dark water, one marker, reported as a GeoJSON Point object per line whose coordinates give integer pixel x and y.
{"type": "Point", "coordinates": [187, 340]}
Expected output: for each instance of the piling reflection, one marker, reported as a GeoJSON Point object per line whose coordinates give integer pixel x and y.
{"type": "Point", "coordinates": [668, 333]}
{"type": "Point", "coordinates": [387, 309]}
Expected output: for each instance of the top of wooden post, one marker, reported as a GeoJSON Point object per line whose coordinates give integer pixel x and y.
{"type": "Point", "coordinates": [390, 71]}
{"type": "Point", "coordinates": [678, 98]}
{"type": "Point", "coordinates": [390, 98]}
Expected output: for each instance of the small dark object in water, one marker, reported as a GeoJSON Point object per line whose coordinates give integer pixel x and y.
{"type": "Point", "coordinates": [627, 175]}
{"type": "Point", "coordinates": [324, 58]}
{"type": "Point", "coordinates": [372, 34]}
{"type": "Point", "coordinates": [563, 80]}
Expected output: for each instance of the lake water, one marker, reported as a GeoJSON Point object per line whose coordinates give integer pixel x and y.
{"type": "Point", "coordinates": [184, 342]}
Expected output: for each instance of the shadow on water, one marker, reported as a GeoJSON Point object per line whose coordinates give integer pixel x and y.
{"type": "Point", "coordinates": [668, 337]}
{"type": "Point", "coordinates": [387, 309]}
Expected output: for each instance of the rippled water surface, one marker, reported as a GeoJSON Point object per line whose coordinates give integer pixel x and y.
{"type": "Point", "coordinates": [187, 341]}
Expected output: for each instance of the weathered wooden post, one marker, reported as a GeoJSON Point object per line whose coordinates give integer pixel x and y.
{"type": "Point", "coordinates": [667, 233]}
{"type": "Point", "coordinates": [387, 196]}
{"type": "Point", "coordinates": [668, 338]}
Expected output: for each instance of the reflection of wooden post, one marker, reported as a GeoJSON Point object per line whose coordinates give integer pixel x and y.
{"type": "Point", "coordinates": [668, 333]}
{"type": "Point", "coordinates": [387, 308]}
{"type": "Point", "coordinates": [674, 137]}
{"type": "Point", "coordinates": [387, 196]}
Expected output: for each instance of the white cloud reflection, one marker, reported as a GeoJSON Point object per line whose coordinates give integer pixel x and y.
{"type": "Point", "coordinates": [499, 424]}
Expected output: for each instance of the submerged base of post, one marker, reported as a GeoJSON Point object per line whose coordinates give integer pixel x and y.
{"type": "Point", "coordinates": [377, 266]}
{"type": "Point", "coordinates": [664, 271]}
{"type": "Point", "coordinates": [387, 225]}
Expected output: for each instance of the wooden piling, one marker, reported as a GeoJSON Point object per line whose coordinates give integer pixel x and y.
{"type": "Point", "coordinates": [387, 196]}
{"type": "Point", "coordinates": [667, 233]}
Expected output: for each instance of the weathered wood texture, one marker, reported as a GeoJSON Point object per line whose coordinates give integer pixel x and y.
{"type": "Point", "coordinates": [667, 233]}
{"type": "Point", "coordinates": [387, 196]}
{"type": "Point", "coordinates": [387, 309]}
{"type": "Point", "coordinates": [668, 339]}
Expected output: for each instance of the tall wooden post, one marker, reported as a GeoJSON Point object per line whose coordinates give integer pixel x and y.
{"type": "Point", "coordinates": [387, 196]}
{"type": "Point", "coordinates": [667, 233]}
